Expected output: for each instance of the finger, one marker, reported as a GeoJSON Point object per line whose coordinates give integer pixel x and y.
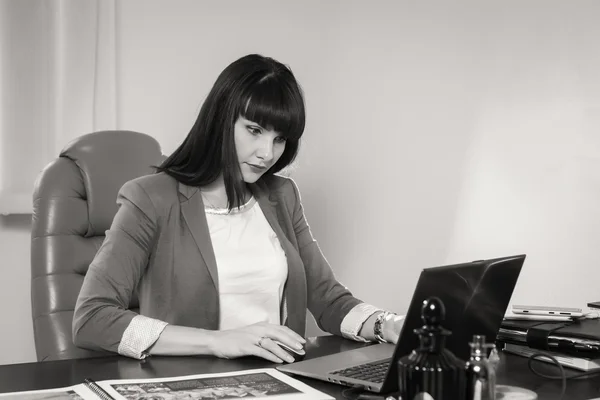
{"type": "Point", "coordinates": [289, 337]}
{"type": "Point", "coordinates": [286, 331]}
{"type": "Point", "coordinates": [286, 340]}
{"type": "Point", "coordinates": [293, 334]}
{"type": "Point", "coordinates": [266, 354]}
{"type": "Point", "coordinates": [274, 348]}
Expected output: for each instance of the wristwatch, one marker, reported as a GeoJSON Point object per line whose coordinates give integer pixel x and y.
{"type": "Point", "coordinates": [378, 327]}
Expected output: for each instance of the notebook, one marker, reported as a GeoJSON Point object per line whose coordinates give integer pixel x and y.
{"type": "Point", "coordinates": [256, 383]}
{"type": "Point", "coordinates": [475, 295]}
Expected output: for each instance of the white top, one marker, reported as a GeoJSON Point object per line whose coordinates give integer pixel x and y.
{"type": "Point", "coordinates": [252, 269]}
{"type": "Point", "coordinates": [252, 266]}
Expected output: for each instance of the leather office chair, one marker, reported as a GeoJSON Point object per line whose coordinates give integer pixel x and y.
{"type": "Point", "coordinates": [74, 203]}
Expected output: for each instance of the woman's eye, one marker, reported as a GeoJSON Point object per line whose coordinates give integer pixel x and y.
{"type": "Point", "coordinates": [280, 139]}
{"type": "Point", "coordinates": [254, 131]}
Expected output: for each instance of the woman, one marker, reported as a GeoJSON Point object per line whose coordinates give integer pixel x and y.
{"type": "Point", "coordinates": [216, 246]}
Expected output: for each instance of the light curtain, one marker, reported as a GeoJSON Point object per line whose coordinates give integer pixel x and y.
{"type": "Point", "coordinates": [58, 62]}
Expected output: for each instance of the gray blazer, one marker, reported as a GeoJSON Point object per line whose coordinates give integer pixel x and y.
{"type": "Point", "coordinates": [159, 245]}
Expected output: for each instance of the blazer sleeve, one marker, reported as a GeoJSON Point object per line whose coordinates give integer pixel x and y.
{"type": "Point", "coordinates": [101, 312]}
{"type": "Point", "coordinates": [328, 300]}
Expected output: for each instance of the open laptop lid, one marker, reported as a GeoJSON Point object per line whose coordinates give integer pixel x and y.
{"type": "Point", "coordinates": [475, 295]}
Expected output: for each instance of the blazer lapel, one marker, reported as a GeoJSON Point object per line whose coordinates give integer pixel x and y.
{"type": "Point", "coordinates": [192, 208]}
{"type": "Point", "coordinates": [268, 203]}
{"type": "Point", "coordinates": [294, 293]}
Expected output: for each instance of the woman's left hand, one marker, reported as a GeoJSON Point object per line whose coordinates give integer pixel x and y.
{"type": "Point", "coordinates": [391, 327]}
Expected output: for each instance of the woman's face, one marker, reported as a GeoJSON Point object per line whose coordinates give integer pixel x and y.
{"type": "Point", "coordinates": [257, 148]}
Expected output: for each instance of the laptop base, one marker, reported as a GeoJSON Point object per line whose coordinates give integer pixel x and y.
{"type": "Point", "coordinates": [320, 368]}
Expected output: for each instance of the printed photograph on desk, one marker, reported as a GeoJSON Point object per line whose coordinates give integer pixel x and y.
{"type": "Point", "coordinates": [265, 383]}
{"type": "Point", "coordinates": [229, 387]}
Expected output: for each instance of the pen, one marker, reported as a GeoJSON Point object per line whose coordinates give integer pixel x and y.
{"type": "Point", "coordinates": [97, 389]}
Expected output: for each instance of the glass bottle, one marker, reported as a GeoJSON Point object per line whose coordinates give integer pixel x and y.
{"type": "Point", "coordinates": [480, 373]}
{"type": "Point", "coordinates": [431, 370]}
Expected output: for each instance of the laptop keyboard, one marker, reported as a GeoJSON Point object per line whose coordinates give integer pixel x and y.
{"type": "Point", "coordinates": [370, 372]}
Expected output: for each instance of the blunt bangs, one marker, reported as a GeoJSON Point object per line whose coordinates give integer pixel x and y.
{"type": "Point", "coordinates": [276, 105]}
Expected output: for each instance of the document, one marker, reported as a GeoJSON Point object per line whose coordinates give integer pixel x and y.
{"type": "Point", "coordinates": [251, 384]}
{"type": "Point", "coordinates": [70, 393]}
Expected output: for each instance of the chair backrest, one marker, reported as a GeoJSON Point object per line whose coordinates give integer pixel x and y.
{"type": "Point", "coordinates": [74, 203]}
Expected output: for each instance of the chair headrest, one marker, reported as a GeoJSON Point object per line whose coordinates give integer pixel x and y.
{"type": "Point", "coordinates": [108, 159]}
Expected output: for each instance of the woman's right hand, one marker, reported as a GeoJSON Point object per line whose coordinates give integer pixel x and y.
{"type": "Point", "coordinates": [257, 340]}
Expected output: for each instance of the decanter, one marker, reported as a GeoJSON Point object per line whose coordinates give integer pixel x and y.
{"type": "Point", "coordinates": [431, 371]}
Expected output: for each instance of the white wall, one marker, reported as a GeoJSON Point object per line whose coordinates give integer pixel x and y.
{"type": "Point", "coordinates": [436, 133]}
{"type": "Point", "coordinates": [532, 177]}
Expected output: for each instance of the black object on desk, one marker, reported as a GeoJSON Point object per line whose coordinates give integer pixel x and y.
{"type": "Point", "coordinates": [577, 338]}
{"type": "Point", "coordinates": [431, 368]}
{"type": "Point", "coordinates": [595, 304]}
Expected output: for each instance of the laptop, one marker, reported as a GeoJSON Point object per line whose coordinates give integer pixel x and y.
{"type": "Point", "coordinates": [475, 295]}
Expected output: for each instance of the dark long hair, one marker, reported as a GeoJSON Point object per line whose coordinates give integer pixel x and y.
{"type": "Point", "coordinates": [257, 88]}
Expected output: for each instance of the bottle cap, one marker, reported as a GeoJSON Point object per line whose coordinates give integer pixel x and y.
{"type": "Point", "coordinates": [433, 314]}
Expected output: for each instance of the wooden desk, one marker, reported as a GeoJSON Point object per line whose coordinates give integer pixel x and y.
{"type": "Point", "coordinates": [54, 374]}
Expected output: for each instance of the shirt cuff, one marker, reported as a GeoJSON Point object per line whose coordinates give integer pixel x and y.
{"type": "Point", "coordinates": [141, 333]}
{"type": "Point", "coordinates": [354, 320]}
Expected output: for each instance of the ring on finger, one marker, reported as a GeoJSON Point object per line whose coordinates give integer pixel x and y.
{"type": "Point", "coordinates": [260, 341]}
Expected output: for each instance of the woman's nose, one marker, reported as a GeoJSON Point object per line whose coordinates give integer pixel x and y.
{"type": "Point", "coordinates": [265, 152]}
